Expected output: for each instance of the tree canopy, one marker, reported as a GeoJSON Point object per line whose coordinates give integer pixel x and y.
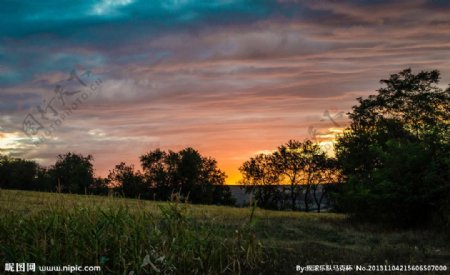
{"type": "Point", "coordinates": [395, 154]}
{"type": "Point", "coordinates": [186, 172]}
{"type": "Point", "coordinates": [128, 182]}
{"type": "Point", "coordinates": [296, 166]}
{"type": "Point", "coordinates": [74, 173]}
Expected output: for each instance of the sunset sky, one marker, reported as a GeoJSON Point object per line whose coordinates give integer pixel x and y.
{"type": "Point", "coordinates": [229, 78]}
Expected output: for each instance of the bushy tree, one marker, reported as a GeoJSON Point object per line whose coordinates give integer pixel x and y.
{"type": "Point", "coordinates": [160, 171]}
{"type": "Point", "coordinates": [394, 153]}
{"type": "Point", "coordinates": [72, 173]}
{"type": "Point", "coordinates": [186, 172]}
{"type": "Point", "coordinates": [128, 182]}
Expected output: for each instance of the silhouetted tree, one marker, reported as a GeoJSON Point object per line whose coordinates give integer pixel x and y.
{"type": "Point", "coordinates": [300, 164]}
{"type": "Point", "coordinates": [160, 171]}
{"type": "Point", "coordinates": [127, 181]}
{"type": "Point", "coordinates": [394, 153]}
{"type": "Point", "coordinates": [72, 173]}
{"type": "Point", "coordinates": [188, 173]}
{"type": "Point", "coordinates": [296, 166]}
{"type": "Point", "coordinates": [261, 179]}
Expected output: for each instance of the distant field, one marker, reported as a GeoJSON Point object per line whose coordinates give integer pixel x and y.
{"type": "Point", "coordinates": [123, 235]}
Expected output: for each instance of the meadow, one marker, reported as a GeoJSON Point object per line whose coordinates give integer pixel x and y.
{"type": "Point", "coordinates": [142, 237]}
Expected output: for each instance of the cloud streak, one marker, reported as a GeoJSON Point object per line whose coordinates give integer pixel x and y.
{"type": "Point", "coordinates": [230, 78]}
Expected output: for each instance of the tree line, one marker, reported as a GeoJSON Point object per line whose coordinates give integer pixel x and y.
{"type": "Point", "coordinates": [195, 178]}
{"type": "Point", "coordinates": [299, 167]}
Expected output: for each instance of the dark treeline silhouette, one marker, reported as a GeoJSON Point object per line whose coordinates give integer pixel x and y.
{"type": "Point", "coordinates": [194, 177]}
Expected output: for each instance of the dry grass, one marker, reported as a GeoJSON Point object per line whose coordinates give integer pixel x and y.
{"type": "Point", "coordinates": [119, 234]}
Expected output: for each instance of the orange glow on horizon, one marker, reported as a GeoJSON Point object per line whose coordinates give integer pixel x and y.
{"type": "Point", "coordinates": [234, 177]}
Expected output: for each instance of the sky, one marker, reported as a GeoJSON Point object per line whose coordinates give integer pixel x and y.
{"type": "Point", "coordinates": [116, 79]}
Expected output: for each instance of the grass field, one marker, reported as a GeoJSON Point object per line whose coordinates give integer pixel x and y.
{"type": "Point", "coordinates": [123, 235]}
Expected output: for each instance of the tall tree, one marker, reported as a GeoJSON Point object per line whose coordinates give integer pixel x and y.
{"type": "Point", "coordinates": [400, 133]}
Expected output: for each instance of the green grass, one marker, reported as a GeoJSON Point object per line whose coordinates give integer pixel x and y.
{"type": "Point", "coordinates": [123, 235]}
